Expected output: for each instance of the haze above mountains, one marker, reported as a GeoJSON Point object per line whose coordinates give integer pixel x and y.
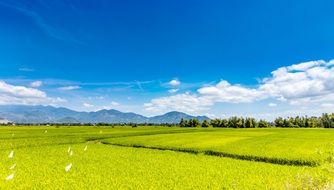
{"type": "Point", "coordinates": [49, 114]}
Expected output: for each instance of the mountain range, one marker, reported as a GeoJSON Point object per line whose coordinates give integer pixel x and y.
{"type": "Point", "coordinates": [50, 114]}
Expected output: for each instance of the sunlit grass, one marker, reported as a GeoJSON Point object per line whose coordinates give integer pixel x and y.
{"type": "Point", "coordinates": [110, 167]}
{"type": "Point", "coordinates": [74, 158]}
{"type": "Point", "coordinates": [304, 145]}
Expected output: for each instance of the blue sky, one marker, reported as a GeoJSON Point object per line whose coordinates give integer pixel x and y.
{"type": "Point", "coordinates": [218, 58]}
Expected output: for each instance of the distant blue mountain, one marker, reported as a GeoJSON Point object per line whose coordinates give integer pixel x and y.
{"type": "Point", "coordinates": [49, 114]}
{"type": "Point", "coordinates": [174, 117]}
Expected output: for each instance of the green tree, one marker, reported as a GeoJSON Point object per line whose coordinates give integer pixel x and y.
{"type": "Point", "coordinates": [279, 122]}
{"type": "Point", "coordinates": [194, 123]}
{"type": "Point", "coordinates": [326, 120]}
{"type": "Point", "coordinates": [263, 124]}
{"type": "Point", "coordinates": [299, 122]}
{"type": "Point", "coordinates": [215, 123]}
{"type": "Point", "coordinates": [205, 124]}
{"type": "Point", "coordinates": [182, 123]}
{"type": "Point", "coordinates": [291, 123]}
{"type": "Point", "coordinates": [250, 123]}
{"type": "Point", "coordinates": [233, 122]}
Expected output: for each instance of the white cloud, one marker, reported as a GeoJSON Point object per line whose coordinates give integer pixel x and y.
{"type": "Point", "coordinates": [113, 103]}
{"type": "Point", "coordinates": [87, 105]}
{"type": "Point", "coordinates": [309, 83]}
{"type": "Point", "coordinates": [173, 90]}
{"type": "Point", "coordinates": [301, 83]}
{"type": "Point", "coordinates": [272, 105]}
{"type": "Point", "coordinates": [327, 105]}
{"type": "Point", "coordinates": [96, 98]}
{"type": "Point", "coordinates": [225, 92]}
{"type": "Point", "coordinates": [305, 66]}
{"type": "Point", "coordinates": [24, 69]}
{"type": "Point", "coordinates": [174, 83]}
{"type": "Point", "coordinates": [10, 94]}
{"type": "Point", "coordinates": [106, 108]}
{"type": "Point", "coordinates": [210, 115]}
{"type": "Point", "coordinates": [36, 84]}
{"type": "Point", "coordinates": [186, 102]}
{"type": "Point", "coordinates": [330, 63]}
{"type": "Point", "coordinates": [65, 88]}
{"type": "Point", "coordinates": [20, 91]}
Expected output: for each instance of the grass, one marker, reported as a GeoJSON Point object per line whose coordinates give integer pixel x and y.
{"type": "Point", "coordinates": [41, 159]}
{"type": "Point", "coordinates": [102, 167]}
{"type": "Point", "coordinates": [282, 146]}
{"type": "Point", "coordinates": [40, 136]}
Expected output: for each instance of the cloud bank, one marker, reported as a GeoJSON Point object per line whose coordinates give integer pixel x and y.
{"type": "Point", "coordinates": [11, 94]}
{"type": "Point", "coordinates": [305, 83]}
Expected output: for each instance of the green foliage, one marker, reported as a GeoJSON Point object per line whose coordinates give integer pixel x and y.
{"type": "Point", "coordinates": [250, 123]}
{"type": "Point", "coordinates": [325, 121]}
{"type": "Point", "coordinates": [263, 124]}
{"type": "Point", "coordinates": [205, 124]}
{"type": "Point", "coordinates": [219, 123]}
{"type": "Point", "coordinates": [189, 123]}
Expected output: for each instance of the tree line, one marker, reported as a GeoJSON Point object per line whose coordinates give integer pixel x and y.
{"type": "Point", "coordinates": [324, 121]}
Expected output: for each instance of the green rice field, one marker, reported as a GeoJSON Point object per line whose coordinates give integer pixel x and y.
{"type": "Point", "coordinates": [165, 158]}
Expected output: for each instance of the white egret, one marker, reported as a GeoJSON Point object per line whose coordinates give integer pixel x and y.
{"type": "Point", "coordinates": [68, 167]}
{"type": "Point", "coordinates": [69, 149]}
{"type": "Point", "coordinates": [12, 167]}
{"type": "Point", "coordinates": [10, 177]}
{"type": "Point", "coordinates": [85, 149]}
{"type": "Point", "coordinates": [11, 155]}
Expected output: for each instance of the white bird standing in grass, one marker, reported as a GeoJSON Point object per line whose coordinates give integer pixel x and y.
{"type": "Point", "coordinates": [71, 153]}
{"type": "Point", "coordinates": [46, 131]}
{"type": "Point", "coordinates": [85, 149]}
{"type": "Point", "coordinates": [69, 149]}
{"type": "Point", "coordinates": [12, 167]}
{"type": "Point", "coordinates": [11, 155]}
{"type": "Point", "coordinates": [68, 167]}
{"type": "Point", "coordinates": [10, 177]}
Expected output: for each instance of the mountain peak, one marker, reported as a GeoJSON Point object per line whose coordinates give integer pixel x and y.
{"type": "Point", "coordinates": [50, 114]}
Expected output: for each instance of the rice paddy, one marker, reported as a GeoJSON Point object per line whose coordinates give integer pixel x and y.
{"type": "Point", "coordinates": [152, 158]}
